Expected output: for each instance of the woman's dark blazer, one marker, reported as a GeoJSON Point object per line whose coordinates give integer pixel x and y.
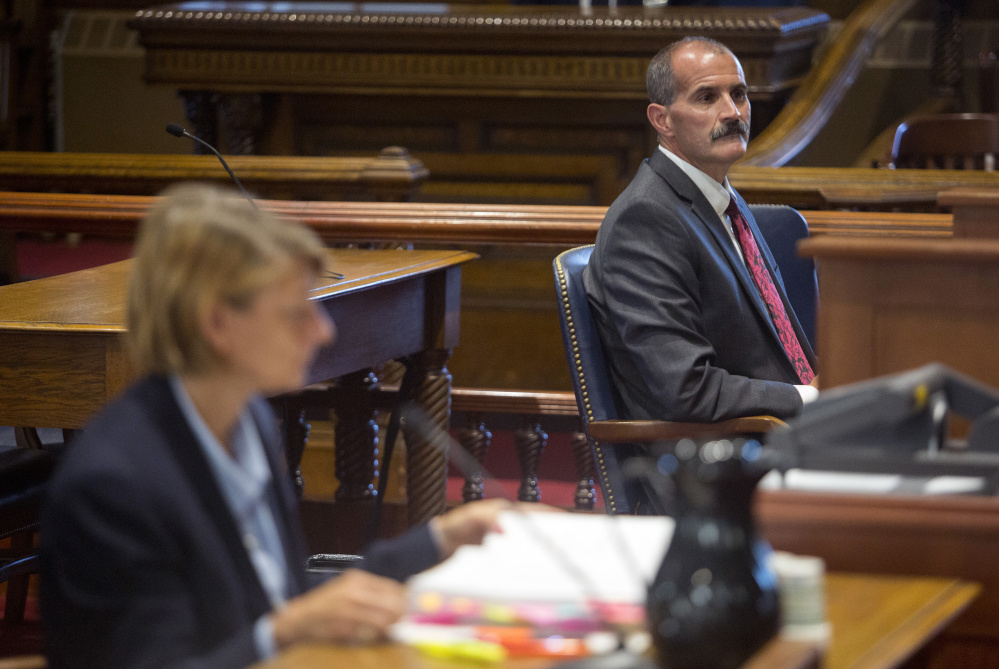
{"type": "Point", "coordinates": [142, 562]}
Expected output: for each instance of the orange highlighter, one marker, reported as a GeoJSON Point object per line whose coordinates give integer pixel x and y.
{"type": "Point", "coordinates": [522, 642]}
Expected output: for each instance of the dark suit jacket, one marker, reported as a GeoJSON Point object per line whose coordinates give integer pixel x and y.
{"type": "Point", "coordinates": [686, 334]}
{"type": "Point", "coordinates": [142, 562]}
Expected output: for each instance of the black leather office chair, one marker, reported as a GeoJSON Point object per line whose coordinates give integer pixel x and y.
{"type": "Point", "coordinates": [613, 440]}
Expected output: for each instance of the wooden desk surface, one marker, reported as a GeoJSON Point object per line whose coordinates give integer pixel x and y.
{"type": "Point", "coordinates": [94, 299]}
{"type": "Point", "coordinates": [878, 623]}
{"type": "Point", "coordinates": [60, 350]}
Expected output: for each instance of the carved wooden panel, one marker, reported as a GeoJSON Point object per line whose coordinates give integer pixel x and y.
{"type": "Point", "coordinates": [477, 83]}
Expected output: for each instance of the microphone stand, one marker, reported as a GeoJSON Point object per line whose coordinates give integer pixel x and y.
{"type": "Point", "coordinates": [178, 131]}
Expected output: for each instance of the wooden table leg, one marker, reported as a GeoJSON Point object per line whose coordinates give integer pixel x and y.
{"type": "Point", "coordinates": [426, 454]}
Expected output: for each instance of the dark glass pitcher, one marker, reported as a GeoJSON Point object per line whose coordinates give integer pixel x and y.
{"type": "Point", "coordinates": [714, 601]}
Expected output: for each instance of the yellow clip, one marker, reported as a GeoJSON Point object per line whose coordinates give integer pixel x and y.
{"type": "Point", "coordinates": [470, 650]}
{"type": "Point", "coordinates": [920, 395]}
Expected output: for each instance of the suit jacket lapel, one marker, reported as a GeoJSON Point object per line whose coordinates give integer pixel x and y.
{"type": "Point", "coordinates": [195, 466]}
{"type": "Point", "coordinates": [686, 189]}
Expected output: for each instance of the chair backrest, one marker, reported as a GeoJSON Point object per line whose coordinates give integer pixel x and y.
{"type": "Point", "coordinates": [590, 379]}
{"type": "Point", "coordinates": [782, 228]}
{"type": "Point", "coordinates": [947, 141]}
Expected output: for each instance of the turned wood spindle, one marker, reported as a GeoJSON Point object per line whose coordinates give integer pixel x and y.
{"type": "Point", "coordinates": [476, 441]}
{"type": "Point", "coordinates": [529, 441]}
{"type": "Point", "coordinates": [585, 493]}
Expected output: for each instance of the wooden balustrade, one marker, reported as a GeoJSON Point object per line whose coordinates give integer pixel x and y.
{"type": "Point", "coordinates": [475, 412]}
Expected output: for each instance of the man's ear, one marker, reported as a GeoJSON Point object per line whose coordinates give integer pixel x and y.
{"type": "Point", "coordinates": [660, 119]}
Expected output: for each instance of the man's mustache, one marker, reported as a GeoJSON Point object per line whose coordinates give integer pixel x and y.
{"type": "Point", "coordinates": [734, 127]}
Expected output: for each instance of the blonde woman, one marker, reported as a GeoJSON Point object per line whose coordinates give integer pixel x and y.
{"type": "Point", "coordinates": [171, 536]}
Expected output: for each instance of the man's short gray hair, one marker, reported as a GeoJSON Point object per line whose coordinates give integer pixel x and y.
{"type": "Point", "coordinates": [660, 81]}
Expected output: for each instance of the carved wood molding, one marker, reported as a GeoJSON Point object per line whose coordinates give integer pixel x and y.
{"type": "Point", "coordinates": [825, 86]}
{"type": "Point", "coordinates": [250, 16]}
{"type": "Point", "coordinates": [459, 49]}
{"type": "Point", "coordinates": [416, 73]}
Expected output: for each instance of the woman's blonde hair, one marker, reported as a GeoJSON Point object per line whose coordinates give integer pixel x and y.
{"type": "Point", "coordinates": [198, 246]}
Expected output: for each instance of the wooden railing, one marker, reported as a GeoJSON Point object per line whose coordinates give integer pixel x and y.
{"type": "Point", "coordinates": [816, 99]}
{"type": "Point", "coordinates": [391, 176]}
{"type": "Point", "coordinates": [118, 216]}
{"type": "Point", "coordinates": [864, 189]}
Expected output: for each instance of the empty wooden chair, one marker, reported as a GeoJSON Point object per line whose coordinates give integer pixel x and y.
{"type": "Point", "coordinates": [947, 141]}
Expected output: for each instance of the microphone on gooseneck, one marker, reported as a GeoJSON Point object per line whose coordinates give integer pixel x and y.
{"type": "Point", "coordinates": [178, 131]}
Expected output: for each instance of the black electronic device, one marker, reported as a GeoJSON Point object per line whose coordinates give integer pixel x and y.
{"type": "Point", "coordinates": [896, 424]}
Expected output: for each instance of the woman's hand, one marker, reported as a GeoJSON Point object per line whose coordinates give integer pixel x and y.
{"type": "Point", "coordinates": [355, 607]}
{"type": "Point", "coordinates": [470, 523]}
{"type": "Point", "coordinates": [467, 524]}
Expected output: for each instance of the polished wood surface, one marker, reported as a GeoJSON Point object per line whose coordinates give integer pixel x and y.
{"type": "Point", "coordinates": [855, 188]}
{"type": "Point", "coordinates": [939, 536]}
{"type": "Point", "coordinates": [563, 226]}
{"type": "Point", "coordinates": [775, 655]}
{"type": "Point", "coordinates": [976, 211]}
{"type": "Point", "coordinates": [392, 175]}
{"type": "Point", "coordinates": [890, 305]}
{"type": "Point", "coordinates": [878, 623]}
{"type": "Point", "coordinates": [60, 350]}
{"type": "Point", "coordinates": [646, 431]}
{"type": "Point", "coordinates": [948, 537]}
{"type": "Point", "coordinates": [503, 103]}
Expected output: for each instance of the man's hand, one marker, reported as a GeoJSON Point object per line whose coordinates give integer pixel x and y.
{"type": "Point", "coordinates": [815, 382]}
{"type": "Point", "coordinates": [356, 607]}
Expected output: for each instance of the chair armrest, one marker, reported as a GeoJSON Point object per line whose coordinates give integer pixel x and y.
{"type": "Point", "coordinates": [644, 431]}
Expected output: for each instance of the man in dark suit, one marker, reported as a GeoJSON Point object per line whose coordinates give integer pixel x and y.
{"type": "Point", "coordinates": [686, 295]}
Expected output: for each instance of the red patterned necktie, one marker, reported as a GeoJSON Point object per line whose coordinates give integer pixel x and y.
{"type": "Point", "coordinates": [768, 291]}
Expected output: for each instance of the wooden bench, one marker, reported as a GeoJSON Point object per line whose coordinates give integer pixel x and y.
{"type": "Point", "coordinates": [391, 176]}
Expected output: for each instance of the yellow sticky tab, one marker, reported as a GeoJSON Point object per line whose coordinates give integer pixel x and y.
{"type": "Point", "coordinates": [920, 395]}
{"type": "Point", "coordinates": [473, 651]}
{"type": "Point", "coordinates": [498, 613]}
